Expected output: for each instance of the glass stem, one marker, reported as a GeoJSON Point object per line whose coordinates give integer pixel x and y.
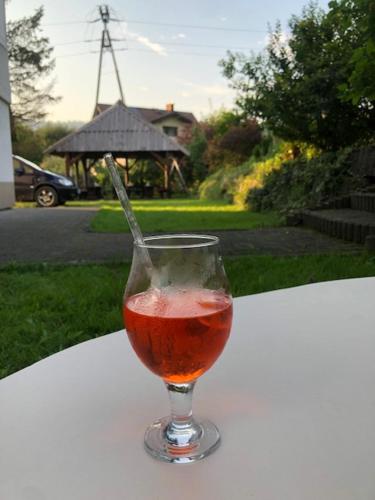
{"type": "Point", "coordinates": [181, 430]}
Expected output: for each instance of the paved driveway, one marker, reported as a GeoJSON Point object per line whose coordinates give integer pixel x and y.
{"type": "Point", "coordinates": [63, 234]}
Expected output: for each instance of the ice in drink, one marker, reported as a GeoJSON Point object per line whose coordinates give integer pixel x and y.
{"type": "Point", "coordinates": [178, 333]}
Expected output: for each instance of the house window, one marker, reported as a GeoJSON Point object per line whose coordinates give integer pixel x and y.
{"type": "Point", "coordinates": [171, 131]}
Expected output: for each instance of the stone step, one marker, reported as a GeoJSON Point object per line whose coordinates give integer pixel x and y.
{"type": "Point", "coordinates": [346, 224]}
{"type": "Point", "coordinates": [363, 201]}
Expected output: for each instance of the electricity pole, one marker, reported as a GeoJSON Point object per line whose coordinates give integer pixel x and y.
{"type": "Point", "coordinates": [106, 45]}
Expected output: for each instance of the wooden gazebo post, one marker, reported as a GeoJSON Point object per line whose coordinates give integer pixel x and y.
{"type": "Point", "coordinates": [126, 172]}
{"type": "Point", "coordinates": [166, 177]}
{"type": "Point", "coordinates": [85, 174]}
{"type": "Point", "coordinates": [77, 174]}
{"type": "Point", "coordinates": [67, 164]}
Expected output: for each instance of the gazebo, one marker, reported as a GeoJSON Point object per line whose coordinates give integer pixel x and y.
{"type": "Point", "coordinates": [127, 136]}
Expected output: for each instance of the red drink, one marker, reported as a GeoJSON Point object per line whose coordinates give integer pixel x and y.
{"type": "Point", "coordinates": [178, 334]}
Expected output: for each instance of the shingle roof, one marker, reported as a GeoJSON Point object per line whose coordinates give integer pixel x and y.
{"type": "Point", "coordinates": [152, 115]}
{"type": "Point", "coordinates": [120, 130]}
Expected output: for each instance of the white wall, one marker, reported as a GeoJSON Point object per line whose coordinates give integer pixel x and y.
{"type": "Point", "coordinates": [6, 167]}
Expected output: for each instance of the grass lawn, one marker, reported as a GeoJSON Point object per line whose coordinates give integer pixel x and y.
{"type": "Point", "coordinates": [180, 215]}
{"type": "Point", "coordinates": [46, 308]}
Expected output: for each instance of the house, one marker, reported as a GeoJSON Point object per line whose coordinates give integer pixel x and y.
{"type": "Point", "coordinates": [6, 168]}
{"type": "Point", "coordinates": [176, 124]}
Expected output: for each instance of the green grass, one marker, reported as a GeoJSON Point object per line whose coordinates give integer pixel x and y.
{"type": "Point", "coordinates": [47, 308]}
{"type": "Point", "coordinates": [181, 215]}
{"type": "Point", "coordinates": [173, 215]}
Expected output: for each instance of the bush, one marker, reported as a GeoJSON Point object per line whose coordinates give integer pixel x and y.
{"type": "Point", "coordinates": [221, 184]}
{"type": "Point", "coordinates": [255, 179]}
{"type": "Point", "coordinates": [54, 164]}
{"type": "Point", "coordinates": [305, 182]}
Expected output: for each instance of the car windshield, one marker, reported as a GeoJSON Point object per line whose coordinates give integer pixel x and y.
{"type": "Point", "coordinates": [29, 163]}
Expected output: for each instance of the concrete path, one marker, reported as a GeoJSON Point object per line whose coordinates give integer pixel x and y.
{"type": "Point", "coordinates": [63, 234]}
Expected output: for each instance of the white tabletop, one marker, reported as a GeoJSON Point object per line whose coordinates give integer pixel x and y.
{"type": "Point", "coordinates": [293, 395]}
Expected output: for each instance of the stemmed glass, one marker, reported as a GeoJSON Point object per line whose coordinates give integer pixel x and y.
{"type": "Point", "coordinates": [178, 315]}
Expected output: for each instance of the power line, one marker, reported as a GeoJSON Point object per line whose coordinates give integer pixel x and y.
{"type": "Point", "coordinates": [74, 54]}
{"type": "Point", "coordinates": [175, 25]}
{"type": "Point", "coordinates": [64, 23]}
{"type": "Point", "coordinates": [193, 26]}
{"type": "Point", "coordinates": [132, 49]}
{"type": "Point", "coordinates": [75, 42]}
{"type": "Point", "coordinates": [173, 52]}
{"type": "Point", "coordinates": [175, 44]}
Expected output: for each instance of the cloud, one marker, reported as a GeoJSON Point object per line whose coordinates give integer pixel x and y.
{"type": "Point", "coordinates": [185, 94]}
{"type": "Point", "coordinates": [144, 88]}
{"type": "Point", "coordinates": [223, 19]}
{"type": "Point", "coordinates": [179, 36]}
{"type": "Point", "coordinates": [212, 90]}
{"type": "Point", "coordinates": [144, 40]}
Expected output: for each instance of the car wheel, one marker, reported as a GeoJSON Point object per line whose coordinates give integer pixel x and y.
{"type": "Point", "coordinates": [46, 196]}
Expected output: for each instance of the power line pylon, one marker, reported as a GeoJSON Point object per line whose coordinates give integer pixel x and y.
{"type": "Point", "coordinates": [106, 45]}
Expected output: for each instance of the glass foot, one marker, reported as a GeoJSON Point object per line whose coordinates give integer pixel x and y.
{"type": "Point", "coordinates": [186, 445]}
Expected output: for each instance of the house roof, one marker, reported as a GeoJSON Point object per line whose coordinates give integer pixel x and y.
{"type": "Point", "coordinates": [152, 115]}
{"type": "Point", "coordinates": [119, 130]}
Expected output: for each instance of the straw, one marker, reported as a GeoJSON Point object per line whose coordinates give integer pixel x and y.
{"type": "Point", "coordinates": [125, 203]}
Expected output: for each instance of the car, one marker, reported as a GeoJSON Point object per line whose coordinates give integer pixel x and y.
{"type": "Point", "coordinates": [33, 183]}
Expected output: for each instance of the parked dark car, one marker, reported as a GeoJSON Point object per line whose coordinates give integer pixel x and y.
{"type": "Point", "coordinates": [48, 189]}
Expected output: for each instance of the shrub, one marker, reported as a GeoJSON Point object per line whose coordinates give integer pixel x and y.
{"type": "Point", "coordinates": [255, 179]}
{"type": "Point", "coordinates": [221, 184]}
{"type": "Point", "coordinates": [306, 182]}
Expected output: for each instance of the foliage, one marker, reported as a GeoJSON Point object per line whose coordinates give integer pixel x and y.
{"type": "Point", "coordinates": [219, 122]}
{"type": "Point", "coordinates": [260, 170]}
{"type": "Point", "coordinates": [223, 139]}
{"type": "Point", "coordinates": [230, 140]}
{"type": "Point", "coordinates": [296, 86]}
{"type": "Point", "coordinates": [361, 84]}
{"type": "Point", "coordinates": [195, 169]}
{"type": "Point", "coordinates": [220, 185]}
{"type": "Point", "coordinates": [180, 215]}
{"type": "Point", "coordinates": [146, 172]}
{"type": "Point", "coordinates": [54, 164]}
{"type": "Point", "coordinates": [242, 139]}
{"type": "Point", "coordinates": [31, 142]}
{"type": "Point", "coordinates": [27, 142]}
{"type": "Point", "coordinates": [305, 182]}
{"type": "Point", "coordinates": [54, 131]}
{"type": "Point", "coordinates": [233, 183]}
{"type": "Point", "coordinates": [30, 62]}
{"type": "Point", "coordinates": [45, 311]}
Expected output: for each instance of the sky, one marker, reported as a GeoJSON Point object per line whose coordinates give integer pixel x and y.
{"type": "Point", "coordinates": [158, 63]}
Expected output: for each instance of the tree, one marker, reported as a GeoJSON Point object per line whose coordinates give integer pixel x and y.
{"type": "Point", "coordinates": [52, 132]}
{"type": "Point", "coordinates": [196, 168]}
{"type": "Point", "coordinates": [294, 87]}
{"type": "Point", "coordinates": [30, 62]}
{"type": "Point", "coordinates": [242, 138]}
{"type": "Point", "coordinates": [360, 88]}
{"type": "Point", "coordinates": [31, 142]}
{"type": "Point", "coordinates": [27, 142]}
{"type": "Point", "coordinates": [230, 139]}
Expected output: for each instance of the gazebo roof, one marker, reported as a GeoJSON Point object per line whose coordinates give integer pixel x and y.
{"type": "Point", "coordinates": [121, 131]}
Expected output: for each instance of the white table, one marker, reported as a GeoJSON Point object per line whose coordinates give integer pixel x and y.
{"type": "Point", "coordinates": [293, 395]}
